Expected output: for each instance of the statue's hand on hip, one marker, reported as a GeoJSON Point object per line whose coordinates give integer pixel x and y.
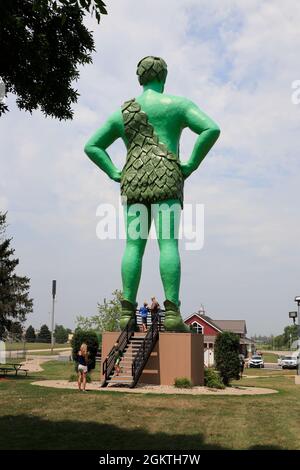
{"type": "Point", "coordinates": [186, 170]}
{"type": "Point", "coordinates": [116, 176]}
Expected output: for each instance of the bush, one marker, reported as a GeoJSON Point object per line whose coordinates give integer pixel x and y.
{"type": "Point", "coordinates": [90, 338]}
{"type": "Point", "coordinates": [74, 378]}
{"type": "Point", "coordinates": [227, 356]}
{"type": "Point", "coordinates": [183, 382]}
{"type": "Point", "coordinates": [212, 379]}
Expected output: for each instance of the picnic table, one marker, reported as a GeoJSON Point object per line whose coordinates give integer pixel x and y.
{"type": "Point", "coordinates": [16, 367]}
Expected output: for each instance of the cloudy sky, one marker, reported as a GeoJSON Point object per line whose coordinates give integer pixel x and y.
{"type": "Point", "coordinates": [237, 61]}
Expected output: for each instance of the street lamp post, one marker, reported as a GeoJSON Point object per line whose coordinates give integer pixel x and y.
{"type": "Point", "coordinates": [297, 300]}
{"type": "Point", "coordinates": [52, 316]}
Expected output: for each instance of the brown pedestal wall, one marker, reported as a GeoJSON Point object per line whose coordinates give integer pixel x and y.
{"type": "Point", "coordinates": [174, 355]}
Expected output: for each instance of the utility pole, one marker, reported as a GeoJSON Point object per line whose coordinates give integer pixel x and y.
{"type": "Point", "coordinates": [297, 299]}
{"type": "Point", "coordinates": [52, 316]}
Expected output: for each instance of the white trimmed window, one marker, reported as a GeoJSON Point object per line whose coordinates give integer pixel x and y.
{"type": "Point", "coordinates": [197, 327]}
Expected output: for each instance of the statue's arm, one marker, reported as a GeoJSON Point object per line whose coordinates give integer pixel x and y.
{"type": "Point", "coordinates": [208, 132]}
{"type": "Point", "coordinates": [96, 146]}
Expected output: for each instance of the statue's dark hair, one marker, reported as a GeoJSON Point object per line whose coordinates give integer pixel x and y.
{"type": "Point", "coordinates": [151, 68]}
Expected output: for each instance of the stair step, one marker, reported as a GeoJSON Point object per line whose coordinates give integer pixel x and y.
{"type": "Point", "coordinates": [126, 382]}
{"type": "Point", "coordinates": [120, 378]}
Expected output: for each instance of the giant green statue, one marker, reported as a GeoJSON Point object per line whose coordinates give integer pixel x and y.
{"type": "Point", "coordinates": [150, 126]}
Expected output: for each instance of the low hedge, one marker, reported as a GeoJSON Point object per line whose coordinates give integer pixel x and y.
{"type": "Point", "coordinates": [212, 379]}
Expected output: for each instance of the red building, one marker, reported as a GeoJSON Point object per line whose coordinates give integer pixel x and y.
{"type": "Point", "coordinates": [201, 323]}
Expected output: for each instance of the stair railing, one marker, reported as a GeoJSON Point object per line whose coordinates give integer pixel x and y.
{"type": "Point", "coordinates": [123, 340]}
{"type": "Point", "coordinates": [145, 349]}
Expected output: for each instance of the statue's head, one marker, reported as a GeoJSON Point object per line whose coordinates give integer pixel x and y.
{"type": "Point", "coordinates": [151, 69]}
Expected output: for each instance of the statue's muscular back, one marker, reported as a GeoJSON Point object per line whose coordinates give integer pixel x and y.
{"type": "Point", "coordinates": [166, 113]}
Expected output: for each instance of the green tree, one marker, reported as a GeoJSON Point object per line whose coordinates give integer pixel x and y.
{"type": "Point", "coordinates": [30, 335]}
{"type": "Point", "coordinates": [43, 45]}
{"type": "Point", "coordinates": [227, 356]}
{"type": "Point", "coordinates": [279, 342]}
{"type": "Point", "coordinates": [44, 335]}
{"type": "Point", "coordinates": [60, 334]}
{"type": "Point", "coordinates": [15, 303]}
{"type": "Point", "coordinates": [88, 337]}
{"type": "Point", "coordinates": [290, 334]}
{"type": "Point", "coordinates": [108, 318]}
{"type": "Point", "coordinates": [16, 331]}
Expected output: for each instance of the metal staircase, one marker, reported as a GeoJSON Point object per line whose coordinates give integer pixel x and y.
{"type": "Point", "coordinates": [136, 348]}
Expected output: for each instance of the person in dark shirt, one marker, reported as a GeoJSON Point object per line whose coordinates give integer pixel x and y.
{"type": "Point", "coordinates": [242, 364]}
{"type": "Point", "coordinates": [144, 313]}
{"type": "Point", "coordinates": [82, 359]}
{"type": "Point", "coordinates": [154, 308]}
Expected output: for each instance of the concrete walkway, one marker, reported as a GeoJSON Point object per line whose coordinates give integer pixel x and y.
{"type": "Point", "coordinates": [158, 389]}
{"type": "Point", "coordinates": [34, 364]}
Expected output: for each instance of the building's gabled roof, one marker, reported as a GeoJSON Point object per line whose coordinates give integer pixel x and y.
{"type": "Point", "coordinates": [236, 326]}
{"type": "Point", "coordinates": [205, 318]}
{"type": "Point", "coordinates": [246, 341]}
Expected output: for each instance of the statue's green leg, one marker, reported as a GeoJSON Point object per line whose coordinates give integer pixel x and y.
{"type": "Point", "coordinates": [167, 220]}
{"type": "Point", "coordinates": [137, 228]}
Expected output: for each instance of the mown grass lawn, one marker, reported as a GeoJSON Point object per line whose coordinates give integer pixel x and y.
{"type": "Point", "coordinates": [270, 357]}
{"type": "Point", "coordinates": [34, 417]}
{"type": "Point", "coordinates": [32, 346]}
{"type": "Point", "coordinates": [56, 351]}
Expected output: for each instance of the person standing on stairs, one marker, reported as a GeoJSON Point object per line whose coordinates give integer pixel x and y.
{"type": "Point", "coordinates": [144, 313]}
{"type": "Point", "coordinates": [154, 308]}
{"type": "Point", "coordinates": [118, 354]}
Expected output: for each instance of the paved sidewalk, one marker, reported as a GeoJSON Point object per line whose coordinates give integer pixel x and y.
{"type": "Point", "coordinates": [158, 389]}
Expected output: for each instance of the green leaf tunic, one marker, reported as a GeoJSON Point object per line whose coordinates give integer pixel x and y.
{"type": "Point", "coordinates": [151, 173]}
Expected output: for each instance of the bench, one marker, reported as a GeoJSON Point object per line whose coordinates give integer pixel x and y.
{"type": "Point", "coordinates": [22, 370]}
{"type": "Point", "coordinates": [7, 369]}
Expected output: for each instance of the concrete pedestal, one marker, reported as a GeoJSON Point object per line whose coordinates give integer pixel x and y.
{"type": "Point", "coordinates": [297, 379]}
{"type": "Point", "coordinates": [175, 355]}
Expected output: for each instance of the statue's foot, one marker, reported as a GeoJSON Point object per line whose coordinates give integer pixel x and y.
{"type": "Point", "coordinates": [173, 320]}
{"type": "Point", "coordinates": [128, 312]}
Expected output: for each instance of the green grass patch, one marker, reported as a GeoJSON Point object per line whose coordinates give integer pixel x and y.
{"type": "Point", "coordinates": [32, 346]}
{"type": "Point", "coordinates": [270, 357]}
{"type": "Point", "coordinates": [33, 417]}
{"type": "Point", "coordinates": [48, 353]}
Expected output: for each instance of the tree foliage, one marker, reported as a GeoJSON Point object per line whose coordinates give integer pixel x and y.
{"type": "Point", "coordinates": [30, 335]}
{"type": "Point", "coordinates": [43, 44]}
{"type": "Point", "coordinates": [15, 303]}
{"type": "Point", "coordinates": [16, 331]}
{"type": "Point", "coordinates": [286, 340]}
{"type": "Point", "coordinates": [61, 334]}
{"type": "Point", "coordinates": [108, 318]}
{"type": "Point", "coordinates": [227, 356]}
{"type": "Point", "coordinates": [44, 335]}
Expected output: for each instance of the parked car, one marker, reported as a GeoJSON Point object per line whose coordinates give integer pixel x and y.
{"type": "Point", "coordinates": [289, 362]}
{"type": "Point", "coordinates": [256, 361]}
